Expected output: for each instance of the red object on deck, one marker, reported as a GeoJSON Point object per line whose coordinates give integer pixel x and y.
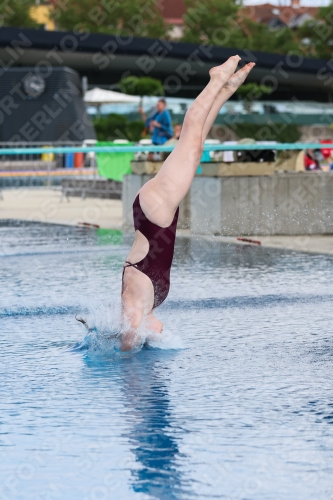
{"type": "Point", "coordinates": [78, 160]}
{"type": "Point", "coordinates": [248, 240]}
{"type": "Point", "coordinates": [88, 225]}
{"type": "Point", "coordinates": [326, 152]}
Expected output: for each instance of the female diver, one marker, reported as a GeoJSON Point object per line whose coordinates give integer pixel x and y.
{"type": "Point", "coordinates": [146, 272]}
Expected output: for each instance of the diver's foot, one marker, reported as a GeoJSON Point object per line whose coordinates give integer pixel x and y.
{"type": "Point", "coordinates": [223, 72]}
{"type": "Point", "coordinates": [239, 77]}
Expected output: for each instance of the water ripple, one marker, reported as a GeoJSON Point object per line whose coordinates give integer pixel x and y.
{"type": "Point", "coordinates": [39, 311]}
{"type": "Point", "coordinates": [234, 402]}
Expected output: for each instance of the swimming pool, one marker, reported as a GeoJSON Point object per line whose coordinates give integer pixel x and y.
{"type": "Point", "coordinates": [236, 403]}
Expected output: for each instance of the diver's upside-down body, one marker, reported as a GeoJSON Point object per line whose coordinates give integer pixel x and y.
{"type": "Point", "coordinates": [158, 201]}
{"type": "Point", "coordinates": [157, 263]}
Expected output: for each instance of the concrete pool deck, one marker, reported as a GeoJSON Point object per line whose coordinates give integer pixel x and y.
{"type": "Point", "coordinates": [47, 205]}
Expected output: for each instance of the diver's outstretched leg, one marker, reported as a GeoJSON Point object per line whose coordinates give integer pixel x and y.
{"type": "Point", "coordinates": [160, 197]}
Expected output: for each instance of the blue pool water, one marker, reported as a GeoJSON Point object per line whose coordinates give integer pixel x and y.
{"type": "Point", "coordinates": [236, 403]}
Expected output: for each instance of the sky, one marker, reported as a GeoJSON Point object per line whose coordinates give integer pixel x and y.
{"type": "Point", "coordinates": [304, 3]}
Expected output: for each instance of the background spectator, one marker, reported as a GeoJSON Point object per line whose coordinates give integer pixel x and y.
{"type": "Point", "coordinates": [311, 161]}
{"type": "Point", "coordinates": [159, 123]}
{"type": "Point", "coordinates": [177, 128]}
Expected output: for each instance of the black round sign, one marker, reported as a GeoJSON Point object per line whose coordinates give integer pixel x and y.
{"type": "Point", "coordinates": [34, 85]}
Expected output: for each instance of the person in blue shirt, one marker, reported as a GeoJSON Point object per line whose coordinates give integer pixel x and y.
{"type": "Point", "coordinates": [159, 123]}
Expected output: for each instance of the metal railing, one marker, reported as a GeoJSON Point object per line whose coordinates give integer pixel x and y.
{"type": "Point", "coordinates": [33, 164]}
{"type": "Point", "coordinates": [51, 167]}
{"type": "Point", "coordinates": [37, 150]}
{"type": "Point", "coordinates": [34, 155]}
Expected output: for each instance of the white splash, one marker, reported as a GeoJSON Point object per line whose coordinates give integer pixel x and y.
{"type": "Point", "coordinates": [165, 340]}
{"type": "Point", "coordinates": [103, 326]}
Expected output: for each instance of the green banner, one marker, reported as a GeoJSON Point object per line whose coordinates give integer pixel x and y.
{"type": "Point", "coordinates": [114, 165]}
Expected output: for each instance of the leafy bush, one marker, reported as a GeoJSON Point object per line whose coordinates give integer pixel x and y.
{"type": "Point", "coordinates": [115, 126]}
{"type": "Point", "coordinates": [125, 18]}
{"type": "Point", "coordinates": [133, 130]}
{"type": "Point", "coordinates": [19, 14]}
{"type": "Point", "coordinates": [144, 85]}
{"type": "Point", "coordinates": [226, 24]}
{"type": "Point", "coordinates": [271, 132]}
{"type": "Point", "coordinates": [252, 91]}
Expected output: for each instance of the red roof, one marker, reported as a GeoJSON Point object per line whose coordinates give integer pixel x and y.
{"type": "Point", "coordinates": [172, 10]}
{"type": "Point", "coordinates": [267, 12]}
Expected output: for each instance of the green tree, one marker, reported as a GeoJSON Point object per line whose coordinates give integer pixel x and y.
{"type": "Point", "coordinates": [316, 35]}
{"type": "Point", "coordinates": [211, 21]}
{"type": "Point", "coordinates": [116, 17]}
{"type": "Point", "coordinates": [17, 13]}
{"type": "Point", "coordinates": [273, 132]}
{"type": "Point", "coordinates": [115, 126]}
{"type": "Point", "coordinates": [259, 36]}
{"type": "Point", "coordinates": [251, 92]}
{"type": "Point", "coordinates": [144, 85]}
{"type": "Point", "coordinates": [224, 24]}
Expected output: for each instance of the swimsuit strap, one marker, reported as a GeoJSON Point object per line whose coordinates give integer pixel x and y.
{"type": "Point", "coordinates": [129, 264]}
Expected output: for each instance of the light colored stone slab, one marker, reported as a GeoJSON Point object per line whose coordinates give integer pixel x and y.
{"type": "Point", "coordinates": [290, 160]}
{"type": "Point", "coordinates": [237, 169]}
{"type": "Point", "coordinates": [214, 169]}
{"type": "Point", "coordinates": [146, 167]}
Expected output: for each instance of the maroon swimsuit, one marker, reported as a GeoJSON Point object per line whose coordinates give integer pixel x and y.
{"type": "Point", "coordinates": [157, 263]}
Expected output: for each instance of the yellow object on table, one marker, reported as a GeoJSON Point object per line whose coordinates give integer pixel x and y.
{"type": "Point", "coordinates": [47, 156]}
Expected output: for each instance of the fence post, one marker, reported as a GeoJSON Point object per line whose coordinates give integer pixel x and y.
{"type": "Point", "coordinates": [48, 173]}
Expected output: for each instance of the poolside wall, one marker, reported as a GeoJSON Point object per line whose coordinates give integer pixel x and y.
{"type": "Point", "coordinates": [280, 204]}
